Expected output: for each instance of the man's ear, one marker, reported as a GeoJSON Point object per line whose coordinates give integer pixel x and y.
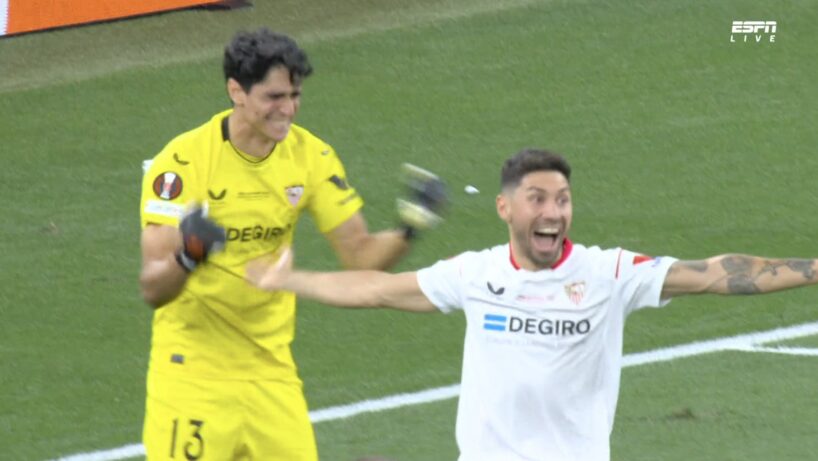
{"type": "Point", "coordinates": [503, 210]}
{"type": "Point", "coordinates": [236, 92]}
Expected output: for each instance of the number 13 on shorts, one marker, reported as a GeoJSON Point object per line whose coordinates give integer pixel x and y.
{"type": "Point", "coordinates": [189, 437]}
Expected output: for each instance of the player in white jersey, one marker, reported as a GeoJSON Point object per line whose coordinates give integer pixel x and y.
{"type": "Point", "coordinates": [545, 316]}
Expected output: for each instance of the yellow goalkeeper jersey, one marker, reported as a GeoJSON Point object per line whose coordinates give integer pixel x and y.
{"type": "Point", "coordinates": [220, 326]}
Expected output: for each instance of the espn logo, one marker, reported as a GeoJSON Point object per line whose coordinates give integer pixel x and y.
{"type": "Point", "coordinates": [753, 31]}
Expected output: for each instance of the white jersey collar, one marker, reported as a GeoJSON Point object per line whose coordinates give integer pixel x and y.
{"type": "Point", "coordinates": [567, 247]}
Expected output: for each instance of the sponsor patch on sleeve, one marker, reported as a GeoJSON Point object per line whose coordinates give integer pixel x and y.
{"type": "Point", "coordinates": [161, 208]}
{"type": "Point", "coordinates": [167, 185]}
{"type": "Point", "coordinates": [639, 259]}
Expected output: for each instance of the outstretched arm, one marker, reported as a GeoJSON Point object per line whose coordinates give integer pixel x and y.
{"type": "Point", "coordinates": [362, 289]}
{"type": "Point", "coordinates": [357, 248]}
{"type": "Point", "coordinates": [420, 210]}
{"type": "Point", "coordinates": [738, 275]}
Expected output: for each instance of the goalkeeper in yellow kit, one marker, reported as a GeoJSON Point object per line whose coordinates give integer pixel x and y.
{"type": "Point", "coordinates": [222, 383]}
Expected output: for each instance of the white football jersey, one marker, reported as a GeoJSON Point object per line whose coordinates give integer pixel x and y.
{"type": "Point", "coordinates": [543, 350]}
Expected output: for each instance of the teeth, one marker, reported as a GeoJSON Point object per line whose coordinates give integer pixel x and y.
{"type": "Point", "coordinates": [547, 230]}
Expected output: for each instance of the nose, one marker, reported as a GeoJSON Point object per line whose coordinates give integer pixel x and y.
{"type": "Point", "coordinates": [288, 106]}
{"type": "Point", "coordinates": [550, 210]}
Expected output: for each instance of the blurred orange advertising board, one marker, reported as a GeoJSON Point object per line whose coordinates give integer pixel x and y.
{"type": "Point", "coordinates": [19, 16]}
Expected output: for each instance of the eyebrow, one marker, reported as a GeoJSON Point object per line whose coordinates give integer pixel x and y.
{"type": "Point", "coordinates": [540, 189]}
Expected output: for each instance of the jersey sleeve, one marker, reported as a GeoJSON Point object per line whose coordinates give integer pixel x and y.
{"type": "Point", "coordinates": [167, 186]}
{"type": "Point", "coordinates": [443, 282]}
{"type": "Point", "coordinates": [640, 279]}
{"type": "Point", "coordinates": [334, 200]}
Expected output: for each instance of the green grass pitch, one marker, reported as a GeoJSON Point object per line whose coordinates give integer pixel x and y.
{"type": "Point", "coordinates": [682, 142]}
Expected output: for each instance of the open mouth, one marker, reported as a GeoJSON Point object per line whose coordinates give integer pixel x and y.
{"type": "Point", "coordinates": [545, 238]}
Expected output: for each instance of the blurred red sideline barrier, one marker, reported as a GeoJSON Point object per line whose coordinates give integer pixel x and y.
{"type": "Point", "coordinates": [19, 16]}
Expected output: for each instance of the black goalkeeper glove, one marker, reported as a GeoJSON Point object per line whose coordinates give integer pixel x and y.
{"type": "Point", "coordinates": [200, 237]}
{"type": "Point", "coordinates": [426, 199]}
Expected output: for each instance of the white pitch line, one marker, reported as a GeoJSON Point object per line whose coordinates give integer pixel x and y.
{"type": "Point", "coordinates": [385, 403]}
{"type": "Point", "coordinates": [721, 344]}
{"type": "Point", "coordinates": [809, 351]}
{"type": "Point", "coordinates": [739, 342]}
{"type": "Point", "coordinates": [128, 451]}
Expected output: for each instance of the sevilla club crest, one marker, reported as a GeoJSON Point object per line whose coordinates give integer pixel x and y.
{"type": "Point", "coordinates": [575, 292]}
{"type": "Point", "coordinates": [294, 194]}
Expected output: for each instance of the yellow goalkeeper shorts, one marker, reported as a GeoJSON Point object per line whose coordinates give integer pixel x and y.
{"type": "Point", "coordinates": [196, 419]}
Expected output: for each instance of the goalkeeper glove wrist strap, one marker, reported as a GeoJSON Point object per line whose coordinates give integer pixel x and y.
{"type": "Point", "coordinates": [185, 262]}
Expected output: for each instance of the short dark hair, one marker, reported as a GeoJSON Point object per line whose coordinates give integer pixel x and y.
{"type": "Point", "coordinates": [531, 160]}
{"type": "Point", "coordinates": [250, 55]}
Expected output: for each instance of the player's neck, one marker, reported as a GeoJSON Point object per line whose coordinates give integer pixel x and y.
{"type": "Point", "coordinates": [247, 141]}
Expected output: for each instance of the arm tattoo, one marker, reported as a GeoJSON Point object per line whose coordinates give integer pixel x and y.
{"type": "Point", "coordinates": [804, 266]}
{"type": "Point", "coordinates": [736, 264]}
{"type": "Point", "coordinates": [741, 278]}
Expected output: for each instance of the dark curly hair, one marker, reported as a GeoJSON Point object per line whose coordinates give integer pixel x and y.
{"type": "Point", "coordinates": [250, 55]}
{"type": "Point", "coordinates": [531, 160]}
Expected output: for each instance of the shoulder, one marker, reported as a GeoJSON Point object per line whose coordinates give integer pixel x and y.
{"type": "Point", "coordinates": [309, 150]}
{"type": "Point", "coordinates": [314, 154]}
{"type": "Point", "coordinates": [595, 252]}
{"type": "Point", "coordinates": [602, 261]}
{"type": "Point", "coordinates": [188, 152]}
{"type": "Point", "coordinates": [623, 264]}
{"type": "Point", "coordinates": [199, 140]}
{"type": "Point", "coordinates": [300, 137]}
